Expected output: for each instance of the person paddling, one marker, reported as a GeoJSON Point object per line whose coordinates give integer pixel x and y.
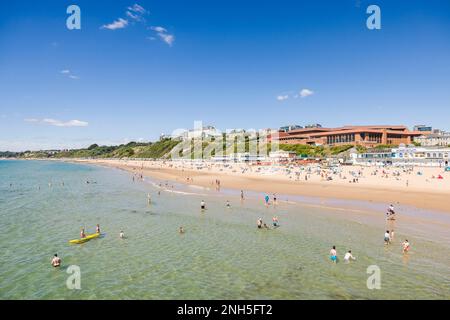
{"type": "Point", "coordinates": [82, 233]}
{"type": "Point", "coordinates": [97, 228]}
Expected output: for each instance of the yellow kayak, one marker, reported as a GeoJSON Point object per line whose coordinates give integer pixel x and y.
{"type": "Point", "coordinates": [83, 240]}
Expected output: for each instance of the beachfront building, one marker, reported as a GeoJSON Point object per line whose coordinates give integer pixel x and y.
{"type": "Point", "coordinates": [437, 138]}
{"type": "Point", "coordinates": [404, 155]}
{"type": "Point", "coordinates": [282, 156]}
{"type": "Point", "coordinates": [239, 157]}
{"type": "Point", "coordinates": [368, 136]}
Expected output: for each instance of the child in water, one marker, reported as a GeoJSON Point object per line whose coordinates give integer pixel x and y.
{"type": "Point", "coordinates": [333, 254]}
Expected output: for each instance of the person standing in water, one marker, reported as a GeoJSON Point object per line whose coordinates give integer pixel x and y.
{"type": "Point", "coordinates": [149, 199]}
{"type": "Point", "coordinates": [97, 228]}
{"type": "Point", "coordinates": [348, 256]}
{"type": "Point", "coordinates": [266, 199]}
{"type": "Point", "coordinates": [274, 198]}
{"type": "Point", "coordinates": [405, 246]}
{"type": "Point", "coordinates": [56, 261]}
{"type": "Point", "coordinates": [275, 221]}
{"type": "Point", "coordinates": [228, 204]}
{"type": "Point", "coordinates": [387, 237]}
{"type": "Point", "coordinates": [181, 230]}
{"type": "Point", "coordinates": [242, 195]}
{"type": "Point", "coordinates": [333, 254]}
{"type": "Point", "coordinates": [259, 223]}
{"type": "Point", "coordinates": [202, 205]}
{"type": "Point", "coordinates": [121, 235]}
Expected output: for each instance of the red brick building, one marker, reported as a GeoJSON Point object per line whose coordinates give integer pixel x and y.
{"type": "Point", "coordinates": [368, 136]}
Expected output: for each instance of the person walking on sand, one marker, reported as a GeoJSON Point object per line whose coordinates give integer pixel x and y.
{"type": "Point", "coordinates": [56, 261]}
{"type": "Point", "coordinates": [333, 254]}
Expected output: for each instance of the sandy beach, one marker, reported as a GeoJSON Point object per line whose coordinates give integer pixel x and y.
{"type": "Point", "coordinates": [427, 188]}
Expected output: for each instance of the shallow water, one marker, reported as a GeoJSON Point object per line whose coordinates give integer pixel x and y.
{"type": "Point", "coordinates": [222, 255]}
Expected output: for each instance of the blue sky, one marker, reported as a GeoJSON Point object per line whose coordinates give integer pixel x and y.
{"type": "Point", "coordinates": [228, 63]}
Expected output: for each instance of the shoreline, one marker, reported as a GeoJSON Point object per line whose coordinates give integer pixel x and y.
{"type": "Point", "coordinates": [423, 199]}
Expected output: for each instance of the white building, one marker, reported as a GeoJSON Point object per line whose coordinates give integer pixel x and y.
{"type": "Point", "coordinates": [201, 133]}
{"type": "Point", "coordinates": [417, 156]}
{"type": "Point", "coordinates": [239, 157]}
{"type": "Point", "coordinates": [282, 156]}
{"type": "Point", "coordinates": [439, 138]}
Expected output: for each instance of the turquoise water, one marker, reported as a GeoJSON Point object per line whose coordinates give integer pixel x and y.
{"type": "Point", "coordinates": [222, 255]}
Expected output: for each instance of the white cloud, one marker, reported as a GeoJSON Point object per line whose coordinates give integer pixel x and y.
{"type": "Point", "coordinates": [159, 29]}
{"type": "Point", "coordinates": [69, 74]}
{"type": "Point", "coordinates": [137, 8]}
{"type": "Point", "coordinates": [58, 123]}
{"type": "Point", "coordinates": [118, 24]}
{"type": "Point", "coordinates": [167, 38]}
{"type": "Point", "coordinates": [305, 93]}
{"type": "Point", "coordinates": [282, 97]}
{"type": "Point", "coordinates": [163, 34]}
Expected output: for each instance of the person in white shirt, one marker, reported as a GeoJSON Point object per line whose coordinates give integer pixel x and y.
{"type": "Point", "coordinates": [121, 235]}
{"type": "Point", "coordinates": [387, 237]}
{"type": "Point", "coordinates": [348, 256]}
{"type": "Point", "coordinates": [405, 246]}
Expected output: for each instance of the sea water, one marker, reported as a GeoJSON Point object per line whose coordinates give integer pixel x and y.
{"type": "Point", "coordinates": [222, 255]}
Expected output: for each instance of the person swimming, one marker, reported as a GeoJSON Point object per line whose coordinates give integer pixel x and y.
{"type": "Point", "coordinates": [348, 256]}
{"type": "Point", "coordinates": [56, 261]}
{"type": "Point", "coordinates": [228, 204]}
{"type": "Point", "coordinates": [82, 233]}
{"type": "Point", "coordinates": [181, 230]}
{"type": "Point", "coordinates": [333, 254]}
{"type": "Point", "coordinates": [266, 226]}
{"type": "Point", "coordinates": [97, 228]}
